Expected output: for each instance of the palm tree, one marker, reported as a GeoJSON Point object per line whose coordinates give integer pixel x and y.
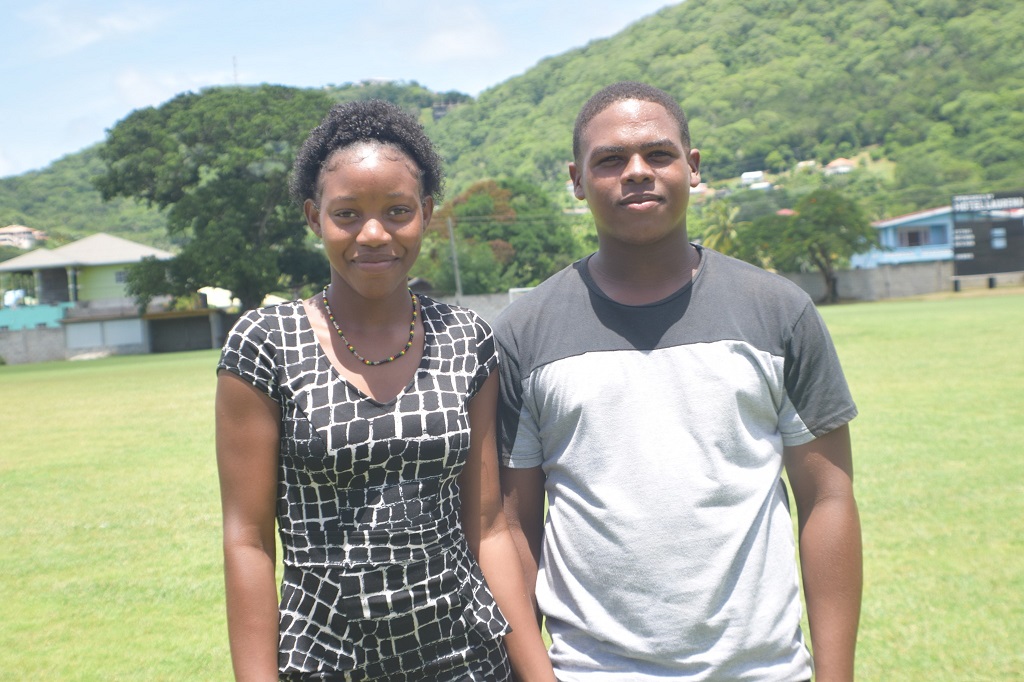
{"type": "Point", "coordinates": [720, 226]}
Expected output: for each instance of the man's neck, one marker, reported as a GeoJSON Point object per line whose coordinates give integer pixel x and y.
{"type": "Point", "coordinates": [639, 275]}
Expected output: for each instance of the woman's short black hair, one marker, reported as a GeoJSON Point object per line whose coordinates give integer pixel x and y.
{"type": "Point", "coordinates": [365, 121]}
{"type": "Point", "coordinates": [621, 91]}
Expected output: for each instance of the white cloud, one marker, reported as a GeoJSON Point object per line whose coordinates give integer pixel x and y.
{"type": "Point", "coordinates": [69, 28]}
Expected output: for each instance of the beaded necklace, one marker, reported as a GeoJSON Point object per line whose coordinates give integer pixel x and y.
{"type": "Point", "coordinates": [352, 349]}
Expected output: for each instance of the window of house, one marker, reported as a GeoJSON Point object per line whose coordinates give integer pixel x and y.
{"type": "Point", "coordinates": [915, 237]}
{"type": "Point", "coordinates": [120, 277]}
{"type": "Point", "coordinates": [998, 238]}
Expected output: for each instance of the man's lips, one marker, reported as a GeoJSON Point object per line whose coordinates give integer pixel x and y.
{"type": "Point", "coordinates": [640, 200]}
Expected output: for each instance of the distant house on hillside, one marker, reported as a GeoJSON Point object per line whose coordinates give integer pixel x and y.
{"type": "Point", "coordinates": [21, 237]}
{"type": "Point", "coordinates": [79, 291]}
{"type": "Point", "coordinates": [920, 237]}
{"type": "Point", "coordinates": [839, 166]}
{"type": "Point", "coordinates": [751, 178]}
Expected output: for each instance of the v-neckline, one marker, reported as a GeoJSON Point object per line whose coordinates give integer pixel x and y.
{"type": "Point", "coordinates": [424, 363]}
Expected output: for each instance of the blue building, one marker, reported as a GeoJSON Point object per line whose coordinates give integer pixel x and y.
{"type": "Point", "coordinates": [920, 237]}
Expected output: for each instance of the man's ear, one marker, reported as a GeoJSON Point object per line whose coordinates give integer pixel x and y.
{"type": "Point", "coordinates": [312, 214]}
{"type": "Point", "coordinates": [693, 158]}
{"type": "Point", "coordinates": [577, 181]}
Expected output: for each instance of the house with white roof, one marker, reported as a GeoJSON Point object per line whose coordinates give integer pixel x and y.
{"type": "Point", "coordinates": [79, 295]}
{"type": "Point", "coordinates": [751, 177]}
{"type": "Point", "coordinates": [21, 237]}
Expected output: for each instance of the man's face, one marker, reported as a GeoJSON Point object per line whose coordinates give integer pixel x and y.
{"type": "Point", "coordinates": [635, 173]}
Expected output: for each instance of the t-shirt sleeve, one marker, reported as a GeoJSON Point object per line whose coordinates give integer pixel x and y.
{"type": "Point", "coordinates": [518, 437]}
{"type": "Point", "coordinates": [486, 354]}
{"type": "Point", "coordinates": [816, 387]}
{"type": "Point", "coordinates": [249, 353]}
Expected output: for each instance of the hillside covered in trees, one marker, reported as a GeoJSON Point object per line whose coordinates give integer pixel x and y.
{"type": "Point", "coordinates": [934, 88]}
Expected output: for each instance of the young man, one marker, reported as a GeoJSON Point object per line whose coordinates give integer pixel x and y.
{"type": "Point", "coordinates": [655, 391]}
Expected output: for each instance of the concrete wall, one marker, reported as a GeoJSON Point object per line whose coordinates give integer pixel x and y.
{"type": "Point", "coordinates": [886, 281]}
{"type": "Point", "coordinates": [115, 336]}
{"type": "Point", "coordinates": [22, 346]}
{"type": "Point", "coordinates": [876, 284]}
{"type": "Point", "coordinates": [898, 281]}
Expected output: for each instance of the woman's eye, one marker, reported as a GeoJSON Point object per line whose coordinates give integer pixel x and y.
{"type": "Point", "coordinates": [400, 210]}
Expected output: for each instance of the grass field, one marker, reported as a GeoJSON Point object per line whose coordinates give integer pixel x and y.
{"type": "Point", "coordinates": [111, 541]}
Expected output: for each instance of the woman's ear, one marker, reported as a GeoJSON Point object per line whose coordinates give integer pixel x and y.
{"type": "Point", "coordinates": [428, 210]}
{"type": "Point", "coordinates": [312, 214]}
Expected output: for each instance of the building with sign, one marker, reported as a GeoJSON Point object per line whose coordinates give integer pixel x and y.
{"type": "Point", "coordinates": [988, 234]}
{"type": "Point", "coordinates": [920, 237]}
{"type": "Point", "coordinates": [981, 234]}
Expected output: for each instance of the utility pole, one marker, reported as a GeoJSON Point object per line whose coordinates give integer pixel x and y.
{"type": "Point", "coordinates": [455, 263]}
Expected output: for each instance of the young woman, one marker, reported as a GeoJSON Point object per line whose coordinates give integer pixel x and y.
{"type": "Point", "coordinates": [361, 420]}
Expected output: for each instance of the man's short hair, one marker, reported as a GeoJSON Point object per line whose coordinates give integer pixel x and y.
{"type": "Point", "coordinates": [619, 92]}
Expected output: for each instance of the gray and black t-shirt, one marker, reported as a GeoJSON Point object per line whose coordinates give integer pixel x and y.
{"type": "Point", "coordinates": [668, 549]}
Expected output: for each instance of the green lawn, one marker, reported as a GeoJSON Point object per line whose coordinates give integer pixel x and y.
{"type": "Point", "coordinates": [940, 482]}
{"type": "Point", "coordinates": [111, 521]}
{"type": "Point", "coordinates": [111, 541]}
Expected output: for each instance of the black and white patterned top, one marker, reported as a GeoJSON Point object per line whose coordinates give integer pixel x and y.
{"type": "Point", "coordinates": [379, 582]}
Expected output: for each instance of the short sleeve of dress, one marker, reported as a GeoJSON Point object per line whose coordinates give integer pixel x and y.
{"type": "Point", "coordinates": [249, 353]}
{"type": "Point", "coordinates": [486, 354]}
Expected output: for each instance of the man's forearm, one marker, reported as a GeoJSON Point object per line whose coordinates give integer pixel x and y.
{"type": "Point", "coordinates": [830, 557]}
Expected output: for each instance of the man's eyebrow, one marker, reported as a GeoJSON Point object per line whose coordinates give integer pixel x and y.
{"type": "Point", "coordinates": [664, 142]}
{"type": "Point", "coordinates": [618, 149]}
{"type": "Point", "coordinates": [607, 149]}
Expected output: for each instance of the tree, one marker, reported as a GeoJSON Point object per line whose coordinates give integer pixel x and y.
{"type": "Point", "coordinates": [509, 233]}
{"type": "Point", "coordinates": [720, 226]}
{"type": "Point", "coordinates": [825, 229]}
{"type": "Point", "coordinates": [217, 163]}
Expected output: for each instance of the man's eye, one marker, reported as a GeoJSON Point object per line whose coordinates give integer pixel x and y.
{"type": "Point", "coordinates": [400, 210]}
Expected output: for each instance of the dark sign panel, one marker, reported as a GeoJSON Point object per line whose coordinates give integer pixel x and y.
{"type": "Point", "coordinates": [988, 233]}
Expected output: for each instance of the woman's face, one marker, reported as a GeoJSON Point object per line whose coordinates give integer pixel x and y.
{"type": "Point", "coordinates": [371, 218]}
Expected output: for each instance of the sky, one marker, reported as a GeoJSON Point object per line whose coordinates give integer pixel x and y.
{"type": "Point", "coordinates": [71, 69]}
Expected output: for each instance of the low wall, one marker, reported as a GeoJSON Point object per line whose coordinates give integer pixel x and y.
{"type": "Point", "coordinates": [898, 281]}
{"type": "Point", "coordinates": [875, 284]}
{"type": "Point", "coordinates": [885, 281]}
{"type": "Point", "coordinates": [22, 346]}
